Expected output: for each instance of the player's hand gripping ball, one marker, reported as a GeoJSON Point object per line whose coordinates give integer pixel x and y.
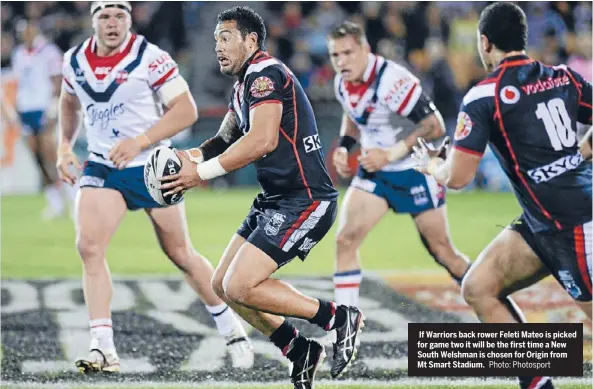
{"type": "Point", "coordinates": [162, 162]}
{"type": "Point", "coordinates": [425, 153]}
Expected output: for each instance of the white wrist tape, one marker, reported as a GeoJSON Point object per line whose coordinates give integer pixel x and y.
{"type": "Point", "coordinates": [172, 89]}
{"type": "Point", "coordinates": [211, 169]}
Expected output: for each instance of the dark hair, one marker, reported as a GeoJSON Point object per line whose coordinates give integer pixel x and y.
{"type": "Point", "coordinates": [505, 26]}
{"type": "Point", "coordinates": [348, 28]}
{"type": "Point", "coordinates": [248, 21]}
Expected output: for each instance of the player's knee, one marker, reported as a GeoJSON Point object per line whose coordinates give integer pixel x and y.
{"type": "Point", "coordinates": [180, 256]}
{"type": "Point", "coordinates": [347, 239]}
{"type": "Point", "coordinates": [216, 283]}
{"type": "Point", "coordinates": [234, 291]}
{"type": "Point", "coordinates": [474, 289]}
{"type": "Point", "coordinates": [91, 251]}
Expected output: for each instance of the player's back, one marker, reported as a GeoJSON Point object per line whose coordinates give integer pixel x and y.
{"type": "Point", "coordinates": [536, 110]}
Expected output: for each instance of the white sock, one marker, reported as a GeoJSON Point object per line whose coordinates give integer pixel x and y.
{"type": "Point", "coordinates": [225, 320]}
{"type": "Point", "coordinates": [54, 198]}
{"type": "Point", "coordinates": [347, 287]}
{"type": "Point", "coordinates": [102, 330]}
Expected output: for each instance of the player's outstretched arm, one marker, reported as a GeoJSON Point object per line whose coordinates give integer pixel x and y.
{"type": "Point", "coordinates": [585, 145]}
{"type": "Point", "coordinates": [68, 122]}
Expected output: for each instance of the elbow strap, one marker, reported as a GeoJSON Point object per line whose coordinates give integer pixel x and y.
{"type": "Point", "coordinates": [424, 107]}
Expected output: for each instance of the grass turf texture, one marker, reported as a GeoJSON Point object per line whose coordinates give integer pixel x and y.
{"type": "Point", "coordinates": [32, 248]}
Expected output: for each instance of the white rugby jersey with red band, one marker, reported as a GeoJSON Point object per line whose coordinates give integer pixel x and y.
{"type": "Point", "coordinates": [387, 89]}
{"type": "Point", "coordinates": [119, 93]}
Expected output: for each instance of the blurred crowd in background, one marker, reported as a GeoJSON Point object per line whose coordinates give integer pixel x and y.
{"type": "Point", "coordinates": [435, 40]}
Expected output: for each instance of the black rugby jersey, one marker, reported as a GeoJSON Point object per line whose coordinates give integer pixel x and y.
{"type": "Point", "coordinates": [296, 168]}
{"type": "Point", "coordinates": [528, 113]}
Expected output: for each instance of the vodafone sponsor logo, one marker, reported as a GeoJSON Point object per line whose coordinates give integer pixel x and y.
{"type": "Point", "coordinates": [542, 86]}
{"type": "Point", "coordinates": [509, 94]}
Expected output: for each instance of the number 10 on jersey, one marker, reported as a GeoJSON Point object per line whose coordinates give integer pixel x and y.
{"type": "Point", "coordinates": [557, 122]}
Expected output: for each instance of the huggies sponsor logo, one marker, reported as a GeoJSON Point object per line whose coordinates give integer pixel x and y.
{"type": "Point", "coordinates": [103, 116]}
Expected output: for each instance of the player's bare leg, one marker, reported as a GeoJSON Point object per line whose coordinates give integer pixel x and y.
{"type": "Point", "coordinates": [360, 213]}
{"type": "Point", "coordinates": [247, 282]}
{"type": "Point", "coordinates": [279, 330]}
{"type": "Point", "coordinates": [48, 152]}
{"type": "Point", "coordinates": [55, 203]}
{"type": "Point", "coordinates": [98, 214]}
{"type": "Point", "coordinates": [508, 264]}
{"type": "Point", "coordinates": [434, 232]}
{"type": "Point", "coordinates": [263, 322]}
{"type": "Point", "coordinates": [170, 225]}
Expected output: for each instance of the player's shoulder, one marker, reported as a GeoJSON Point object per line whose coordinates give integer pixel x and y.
{"type": "Point", "coordinates": [152, 50]}
{"type": "Point", "coordinates": [392, 75]}
{"type": "Point", "coordinates": [481, 93]}
{"type": "Point", "coordinates": [264, 64]}
{"type": "Point", "coordinates": [266, 71]}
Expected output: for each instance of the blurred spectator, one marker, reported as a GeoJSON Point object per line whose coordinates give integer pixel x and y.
{"type": "Point", "coordinates": [541, 18]}
{"type": "Point", "coordinates": [580, 60]}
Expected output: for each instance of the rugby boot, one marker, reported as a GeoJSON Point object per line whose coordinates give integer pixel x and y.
{"type": "Point", "coordinates": [240, 349]}
{"type": "Point", "coordinates": [99, 361]}
{"type": "Point", "coordinates": [302, 372]}
{"type": "Point", "coordinates": [345, 347]}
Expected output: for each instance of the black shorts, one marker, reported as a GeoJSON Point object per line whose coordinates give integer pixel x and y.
{"type": "Point", "coordinates": [286, 228]}
{"type": "Point", "coordinates": [566, 253]}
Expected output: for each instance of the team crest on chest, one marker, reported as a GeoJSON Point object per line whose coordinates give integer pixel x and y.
{"type": "Point", "coordinates": [261, 87]}
{"type": "Point", "coordinates": [121, 77]}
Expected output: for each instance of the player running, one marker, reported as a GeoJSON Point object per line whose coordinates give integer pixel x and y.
{"type": "Point", "coordinates": [122, 81]}
{"type": "Point", "coordinates": [270, 122]}
{"type": "Point", "coordinates": [37, 64]}
{"type": "Point", "coordinates": [371, 91]}
{"type": "Point", "coordinates": [528, 113]}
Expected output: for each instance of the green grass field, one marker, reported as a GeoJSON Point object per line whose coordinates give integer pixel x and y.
{"type": "Point", "coordinates": [33, 248]}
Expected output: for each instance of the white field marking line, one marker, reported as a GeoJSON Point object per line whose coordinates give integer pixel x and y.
{"type": "Point", "coordinates": [428, 382]}
{"type": "Point", "coordinates": [373, 274]}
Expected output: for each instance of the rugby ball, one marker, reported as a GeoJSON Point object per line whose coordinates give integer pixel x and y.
{"type": "Point", "coordinates": [161, 162]}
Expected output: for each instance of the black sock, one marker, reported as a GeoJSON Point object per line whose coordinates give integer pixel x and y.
{"type": "Point", "coordinates": [329, 315]}
{"type": "Point", "coordinates": [289, 341]}
{"type": "Point", "coordinates": [532, 382]}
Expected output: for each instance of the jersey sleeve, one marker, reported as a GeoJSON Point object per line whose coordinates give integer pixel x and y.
{"type": "Point", "coordinates": [399, 89]}
{"type": "Point", "coordinates": [162, 68]}
{"type": "Point", "coordinates": [68, 76]}
{"type": "Point", "coordinates": [474, 121]}
{"type": "Point", "coordinates": [266, 86]}
{"type": "Point", "coordinates": [585, 107]}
